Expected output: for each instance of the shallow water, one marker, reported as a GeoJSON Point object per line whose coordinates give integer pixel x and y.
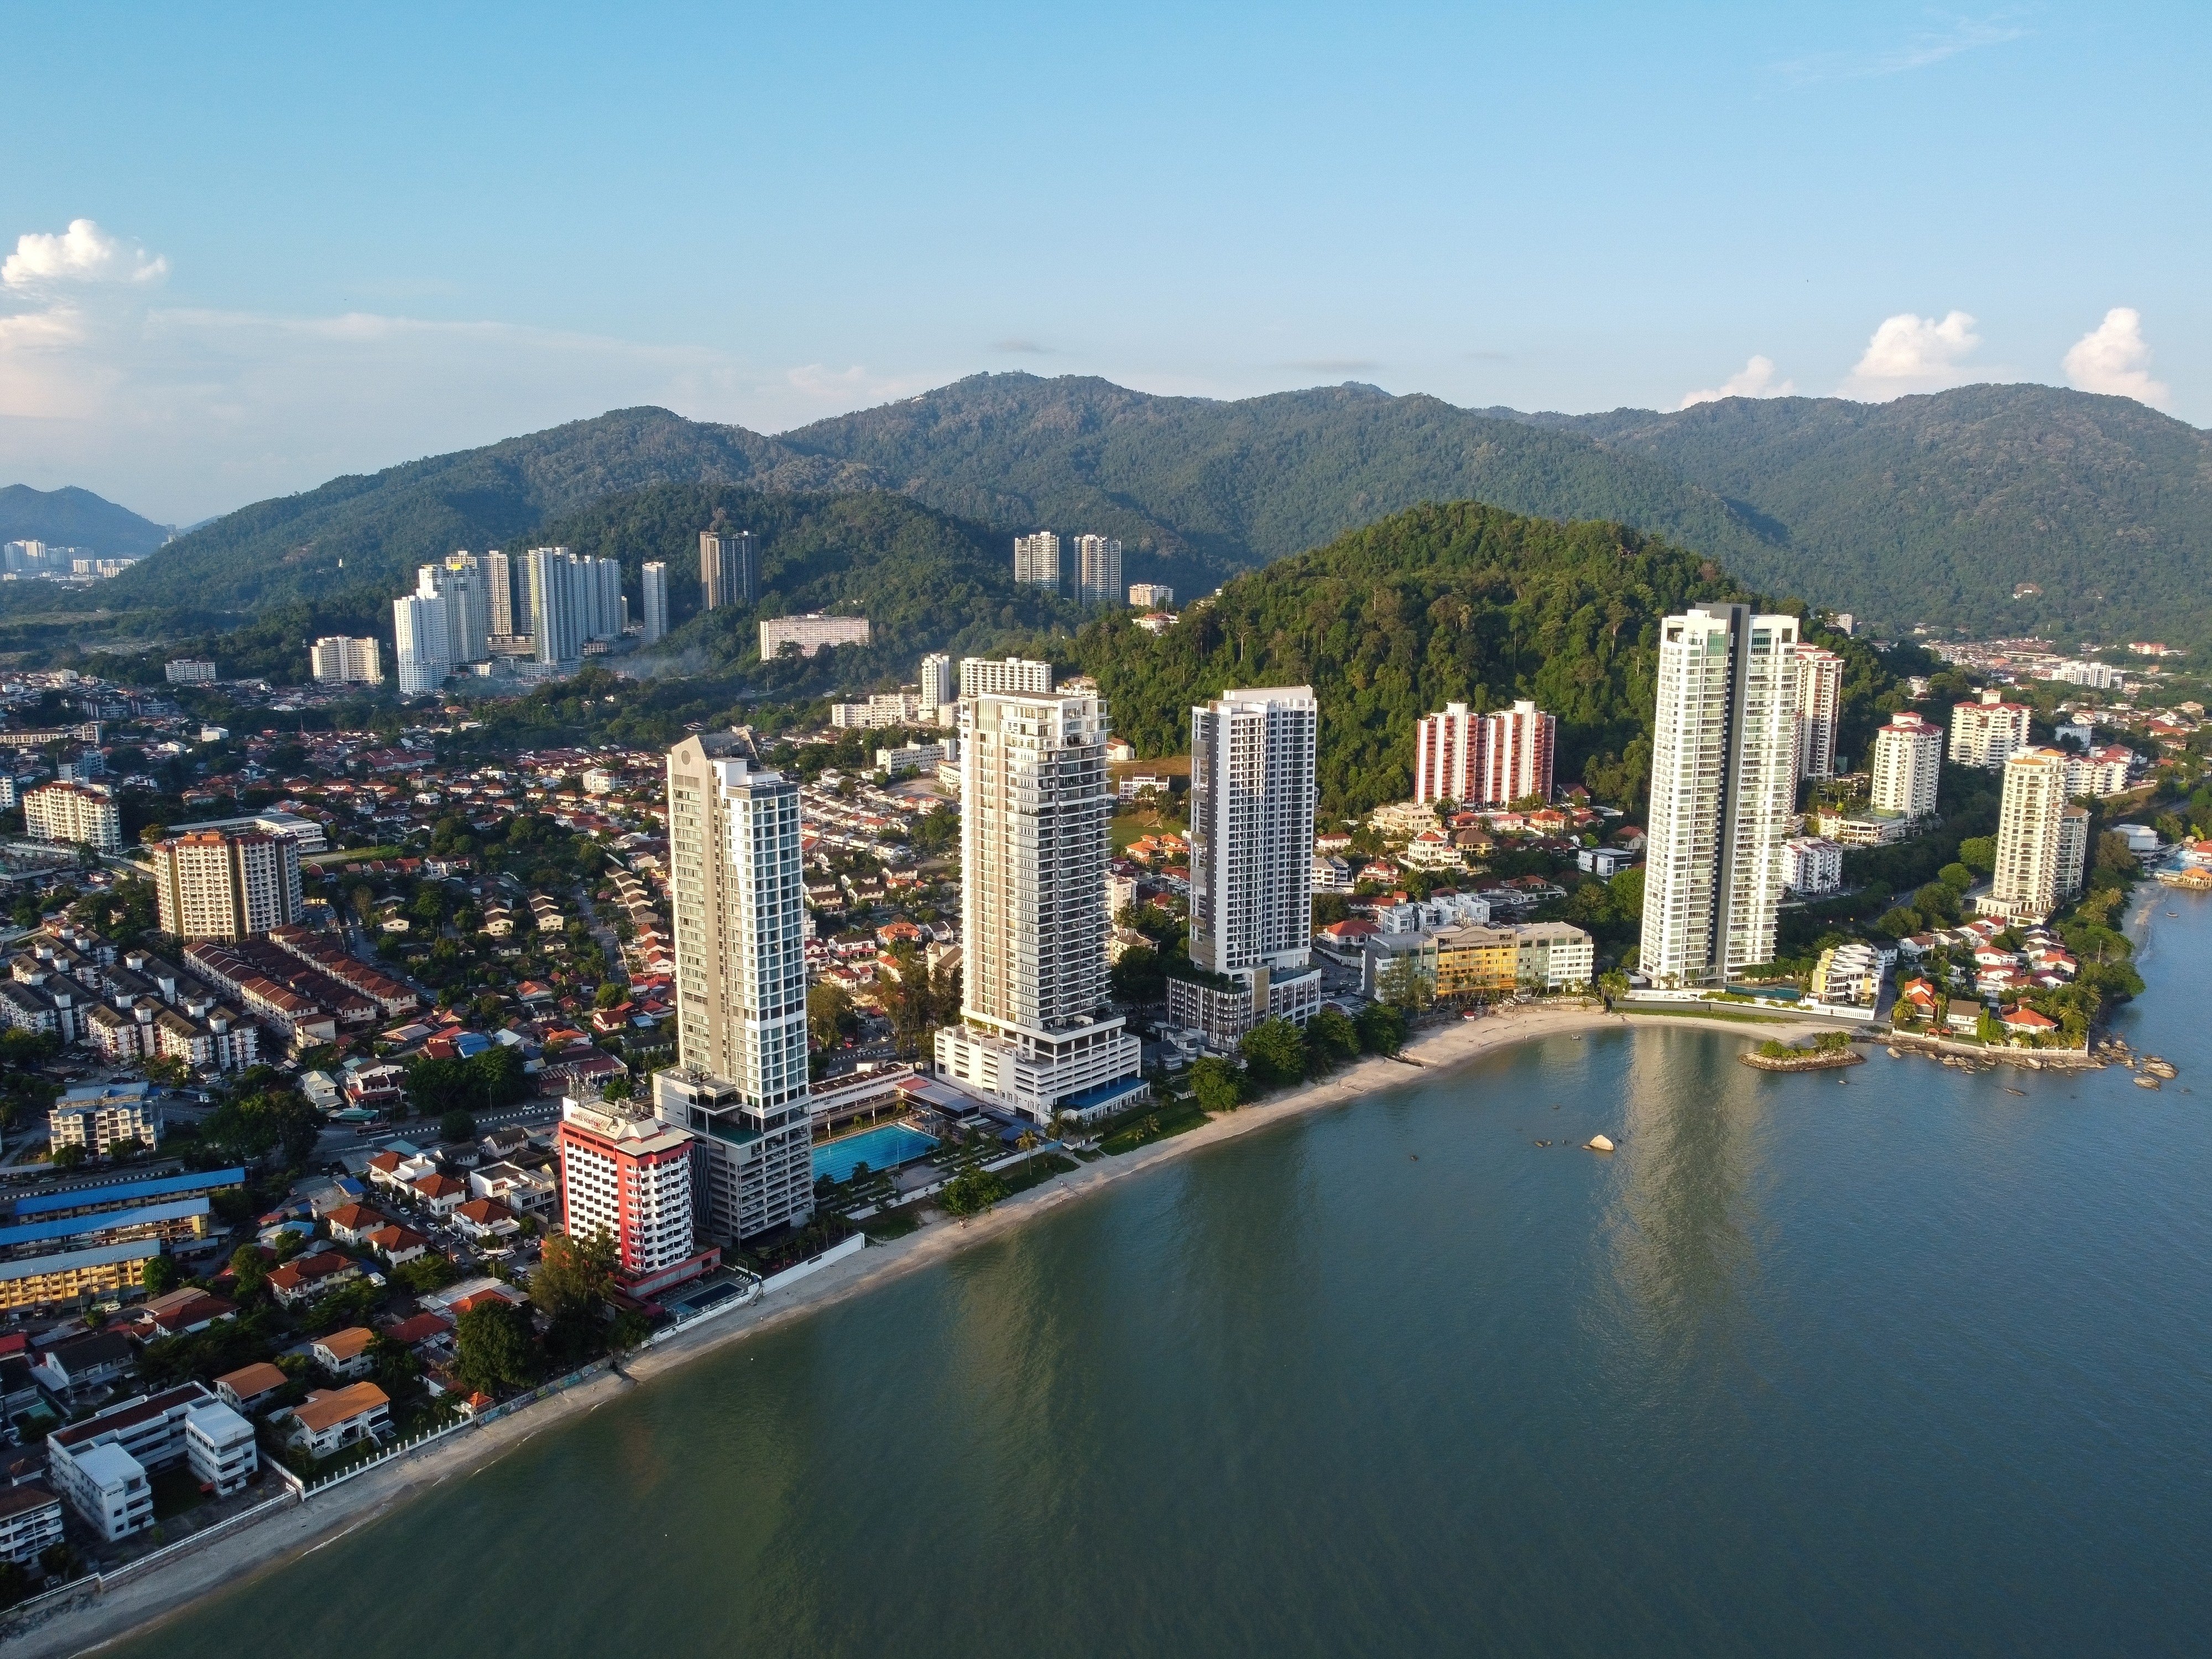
{"type": "Point", "coordinates": [1885, 1360]}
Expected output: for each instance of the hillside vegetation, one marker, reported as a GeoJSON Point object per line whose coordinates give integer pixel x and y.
{"type": "Point", "coordinates": [1923, 511]}
{"type": "Point", "coordinates": [76, 518]}
{"type": "Point", "coordinates": [1460, 603]}
{"type": "Point", "coordinates": [1939, 507]}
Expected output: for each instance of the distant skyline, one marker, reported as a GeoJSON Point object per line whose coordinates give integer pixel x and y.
{"type": "Point", "coordinates": [243, 253]}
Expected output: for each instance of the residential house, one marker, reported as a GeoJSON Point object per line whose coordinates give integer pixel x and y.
{"type": "Point", "coordinates": [251, 1387]}
{"type": "Point", "coordinates": [353, 1224]}
{"type": "Point", "coordinates": [309, 1276]}
{"type": "Point", "coordinates": [345, 1354]}
{"type": "Point", "coordinates": [440, 1194]}
{"type": "Point", "coordinates": [30, 1522]}
{"type": "Point", "coordinates": [483, 1218]}
{"type": "Point", "coordinates": [331, 1418]}
{"type": "Point", "coordinates": [397, 1245]}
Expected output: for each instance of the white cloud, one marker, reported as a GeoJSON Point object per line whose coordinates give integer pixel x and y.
{"type": "Point", "coordinates": [1922, 51]}
{"type": "Point", "coordinates": [1914, 354]}
{"type": "Point", "coordinates": [82, 253]}
{"type": "Point", "coordinates": [2113, 357]}
{"type": "Point", "coordinates": [179, 412]}
{"type": "Point", "coordinates": [1755, 379]}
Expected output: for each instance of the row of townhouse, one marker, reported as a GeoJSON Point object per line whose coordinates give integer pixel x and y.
{"type": "Point", "coordinates": [323, 954]}
{"type": "Point", "coordinates": [137, 1010]}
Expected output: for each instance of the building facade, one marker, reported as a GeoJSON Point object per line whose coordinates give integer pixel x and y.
{"type": "Point", "coordinates": [1483, 760]}
{"type": "Point", "coordinates": [655, 578]}
{"type": "Point", "coordinates": [1812, 865]}
{"type": "Point", "coordinates": [1011, 675]}
{"type": "Point", "coordinates": [1035, 832]}
{"type": "Point", "coordinates": [342, 660]}
{"type": "Point", "coordinates": [1723, 779]}
{"type": "Point", "coordinates": [221, 885]}
{"type": "Point", "coordinates": [1151, 596]}
{"type": "Point", "coordinates": [1819, 708]}
{"type": "Point", "coordinates": [940, 681]}
{"type": "Point", "coordinates": [77, 813]}
{"type": "Point", "coordinates": [1908, 763]}
{"type": "Point", "coordinates": [1036, 559]}
{"type": "Point", "coordinates": [752, 1161]}
{"type": "Point", "coordinates": [626, 1173]}
{"type": "Point", "coordinates": [2032, 876]}
{"type": "Point", "coordinates": [1252, 797]}
{"type": "Point", "coordinates": [729, 568]}
{"type": "Point", "coordinates": [1984, 731]}
{"type": "Point", "coordinates": [420, 640]}
{"type": "Point", "coordinates": [1097, 569]}
{"type": "Point", "coordinates": [808, 633]}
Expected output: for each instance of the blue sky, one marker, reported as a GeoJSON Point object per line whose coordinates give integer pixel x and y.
{"type": "Point", "coordinates": [320, 245]}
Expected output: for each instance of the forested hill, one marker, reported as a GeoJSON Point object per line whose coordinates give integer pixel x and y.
{"type": "Point", "coordinates": [1936, 508]}
{"type": "Point", "coordinates": [1927, 510]}
{"type": "Point", "coordinates": [1197, 489]}
{"type": "Point", "coordinates": [369, 532]}
{"type": "Point", "coordinates": [1460, 603]}
{"type": "Point", "coordinates": [76, 518]}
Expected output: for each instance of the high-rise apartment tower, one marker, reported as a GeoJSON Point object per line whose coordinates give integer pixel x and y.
{"type": "Point", "coordinates": [729, 568]}
{"type": "Point", "coordinates": [655, 595]}
{"type": "Point", "coordinates": [1908, 762]}
{"type": "Point", "coordinates": [1483, 760]}
{"type": "Point", "coordinates": [1036, 559]}
{"type": "Point", "coordinates": [1099, 569]}
{"type": "Point", "coordinates": [1819, 706]}
{"type": "Point", "coordinates": [1036, 1034]}
{"type": "Point", "coordinates": [1723, 779]}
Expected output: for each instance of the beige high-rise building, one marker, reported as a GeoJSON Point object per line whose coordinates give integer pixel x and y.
{"type": "Point", "coordinates": [1985, 731]}
{"type": "Point", "coordinates": [1820, 707]}
{"type": "Point", "coordinates": [1723, 780]}
{"type": "Point", "coordinates": [78, 813]}
{"type": "Point", "coordinates": [1036, 559]}
{"type": "Point", "coordinates": [738, 893]}
{"type": "Point", "coordinates": [1097, 569]}
{"type": "Point", "coordinates": [217, 885]}
{"type": "Point", "coordinates": [340, 659]}
{"type": "Point", "coordinates": [1035, 816]}
{"type": "Point", "coordinates": [2039, 854]}
{"type": "Point", "coordinates": [729, 568]}
{"type": "Point", "coordinates": [1908, 763]}
{"type": "Point", "coordinates": [1004, 676]}
{"type": "Point", "coordinates": [499, 595]}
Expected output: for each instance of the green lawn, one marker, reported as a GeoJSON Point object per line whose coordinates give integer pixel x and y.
{"type": "Point", "coordinates": [1155, 1123]}
{"type": "Point", "coordinates": [890, 1224]}
{"type": "Point", "coordinates": [1039, 1169]}
{"type": "Point", "coordinates": [176, 1491]}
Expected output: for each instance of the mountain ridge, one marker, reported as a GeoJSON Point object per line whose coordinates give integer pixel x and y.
{"type": "Point", "coordinates": [1931, 509]}
{"type": "Point", "coordinates": [72, 517]}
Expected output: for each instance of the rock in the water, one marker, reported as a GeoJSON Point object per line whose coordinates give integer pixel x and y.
{"type": "Point", "coordinates": [1598, 1144]}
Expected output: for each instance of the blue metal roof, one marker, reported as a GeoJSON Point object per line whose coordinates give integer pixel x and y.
{"type": "Point", "coordinates": [100, 1221]}
{"type": "Point", "coordinates": [127, 1191]}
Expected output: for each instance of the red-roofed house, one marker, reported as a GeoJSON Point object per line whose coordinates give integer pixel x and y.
{"type": "Point", "coordinates": [310, 1276]}
{"type": "Point", "coordinates": [2027, 1021]}
{"type": "Point", "coordinates": [440, 1194]}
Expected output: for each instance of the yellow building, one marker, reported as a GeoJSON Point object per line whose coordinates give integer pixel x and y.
{"type": "Point", "coordinates": [1473, 961]}
{"type": "Point", "coordinates": [43, 1280]}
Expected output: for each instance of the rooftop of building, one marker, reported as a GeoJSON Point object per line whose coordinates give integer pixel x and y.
{"type": "Point", "coordinates": [326, 1409]}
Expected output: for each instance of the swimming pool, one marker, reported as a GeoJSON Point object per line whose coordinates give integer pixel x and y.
{"type": "Point", "coordinates": [884, 1148]}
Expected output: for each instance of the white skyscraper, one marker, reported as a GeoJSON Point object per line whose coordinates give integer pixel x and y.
{"type": "Point", "coordinates": [555, 621]}
{"type": "Point", "coordinates": [1908, 761]}
{"type": "Point", "coordinates": [459, 582]}
{"type": "Point", "coordinates": [1099, 569]}
{"type": "Point", "coordinates": [1723, 779]}
{"type": "Point", "coordinates": [1035, 834]}
{"type": "Point", "coordinates": [1252, 795]}
{"type": "Point", "coordinates": [979, 675]}
{"type": "Point", "coordinates": [1036, 559]}
{"type": "Point", "coordinates": [655, 577]}
{"type": "Point", "coordinates": [1819, 706]}
{"type": "Point", "coordinates": [422, 638]}
{"type": "Point", "coordinates": [939, 685]}
{"type": "Point", "coordinates": [2039, 852]}
{"type": "Point", "coordinates": [738, 893]}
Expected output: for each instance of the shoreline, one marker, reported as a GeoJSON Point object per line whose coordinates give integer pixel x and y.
{"type": "Point", "coordinates": [142, 1605]}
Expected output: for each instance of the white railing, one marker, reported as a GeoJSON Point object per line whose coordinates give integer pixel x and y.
{"type": "Point", "coordinates": [398, 1449]}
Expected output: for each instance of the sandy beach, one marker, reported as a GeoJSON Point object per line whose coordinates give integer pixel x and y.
{"type": "Point", "coordinates": [136, 1606]}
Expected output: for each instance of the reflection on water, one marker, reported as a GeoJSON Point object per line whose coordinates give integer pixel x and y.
{"type": "Point", "coordinates": [1911, 1366]}
{"type": "Point", "coordinates": [1683, 1227]}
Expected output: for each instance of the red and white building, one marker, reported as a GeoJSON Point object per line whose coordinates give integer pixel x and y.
{"type": "Point", "coordinates": [1483, 760]}
{"type": "Point", "coordinates": [1985, 732]}
{"type": "Point", "coordinates": [629, 1175]}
